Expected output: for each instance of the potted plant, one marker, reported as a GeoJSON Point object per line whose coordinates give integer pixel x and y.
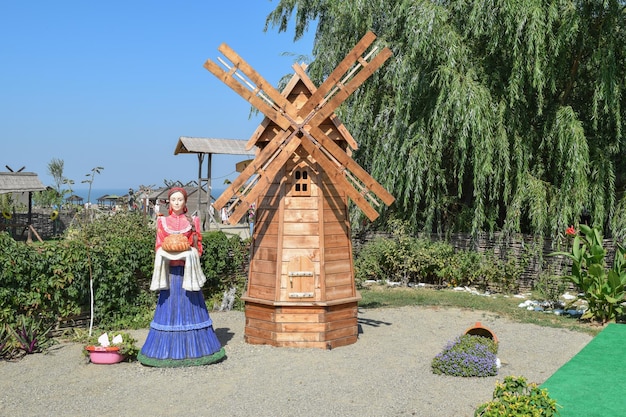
{"type": "Point", "coordinates": [102, 350]}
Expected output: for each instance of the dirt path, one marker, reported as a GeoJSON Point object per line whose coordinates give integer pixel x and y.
{"type": "Point", "coordinates": [386, 373]}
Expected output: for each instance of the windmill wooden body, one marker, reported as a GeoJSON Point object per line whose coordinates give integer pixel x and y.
{"type": "Point", "coordinates": [301, 290]}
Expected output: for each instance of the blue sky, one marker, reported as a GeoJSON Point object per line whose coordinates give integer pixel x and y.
{"type": "Point", "coordinates": [116, 83]}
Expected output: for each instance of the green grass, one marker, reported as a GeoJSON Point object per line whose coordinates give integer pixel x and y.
{"type": "Point", "coordinates": [503, 306]}
{"type": "Point", "coordinates": [383, 297]}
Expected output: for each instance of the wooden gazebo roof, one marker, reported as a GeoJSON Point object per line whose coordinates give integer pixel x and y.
{"type": "Point", "coordinates": [74, 199]}
{"type": "Point", "coordinates": [212, 146]}
{"type": "Point", "coordinates": [208, 147]}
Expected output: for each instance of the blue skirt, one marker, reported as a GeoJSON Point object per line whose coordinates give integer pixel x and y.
{"type": "Point", "coordinates": [181, 333]}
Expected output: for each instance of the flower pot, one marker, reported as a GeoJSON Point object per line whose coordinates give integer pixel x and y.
{"type": "Point", "coordinates": [104, 355]}
{"type": "Point", "coordinates": [479, 330]}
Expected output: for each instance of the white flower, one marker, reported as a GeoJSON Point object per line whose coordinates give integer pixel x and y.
{"type": "Point", "coordinates": [117, 339]}
{"type": "Point", "coordinates": [104, 340]}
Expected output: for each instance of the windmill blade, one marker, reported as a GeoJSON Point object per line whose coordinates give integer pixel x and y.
{"type": "Point", "coordinates": [333, 149]}
{"type": "Point", "coordinates": [302, 127]}
{"type": "Point", "coordinates": [304, 77]}
{"type": "Point", "coordinates": [338, 72]}
{"type": "Point", "coordinates": [354, 83]}
{"type": "Point", "coordinates": [259, 92]}
{"type": "Point", "coordinates": [251, 96]}
{"type": "Point", "coordinates": [332, 170]}
{"type": "Point", "coordinates": [266, 155]}
{"type": "Point", "coordinates": [261, 84]}
{"type": "Point", "coordinates": [265, 180]}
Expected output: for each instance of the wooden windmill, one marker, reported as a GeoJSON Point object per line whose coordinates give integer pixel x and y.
{"type": "Point", "coordinates": [301, 289]}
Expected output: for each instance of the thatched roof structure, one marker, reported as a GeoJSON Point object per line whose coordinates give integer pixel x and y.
{"type": "Point", "coordinates": [158, 194]}
{"type": "Point", "coordinates": [16, 182]}
{"type": "Point", "coordinates": [111, 200]}
{"type": "Point", "coordinates": [74, 199]}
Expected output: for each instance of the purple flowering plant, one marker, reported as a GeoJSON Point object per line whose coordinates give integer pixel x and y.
{"type": "Point", "coordinates": [467, 355]}
{"type": "Point", "coordinates": [30, 335]}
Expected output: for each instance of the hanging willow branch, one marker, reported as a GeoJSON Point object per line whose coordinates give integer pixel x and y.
{"type": "Point", "coordinates": [492, 114]}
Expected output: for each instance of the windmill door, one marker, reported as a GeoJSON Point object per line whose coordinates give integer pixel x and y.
{"type": "Point", "coordinates": [300, 278]}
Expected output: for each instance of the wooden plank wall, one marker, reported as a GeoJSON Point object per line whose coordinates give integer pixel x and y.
{"type": "Point", "coordinates": [325, 327]}
{"type": "Point", "coordinates": [338, 264]}
{"type": "Point", "coordinates": [301, 231]}
{"type": "Point", "coordinates": [264, 258]}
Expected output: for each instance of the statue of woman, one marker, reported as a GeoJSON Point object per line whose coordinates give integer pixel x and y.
{"type": "Point", "coordinates": [181, 333]}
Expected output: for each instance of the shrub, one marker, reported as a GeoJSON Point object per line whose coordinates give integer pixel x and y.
{"type": "Point", "coordinates": [118, 252]}
{"type": "Point", "coordinates": [51, 280]}
{"type": "Point", "coordinates": [467, 356]}
{"type": "Point", "coordinates": [401, 258]}
{"type": "Point", "coordinates": [224, 262]}
{"type": "Point", "coordinates": [549, 287]}
{"type": "Point", "coordinates": [416, 260]}
{"type": "Point", "coordinates": [462, 269]}
{"type": "Point", "coordinates": [40, 280]}
{"type": "Point", "coordinates": [372, 262]}
{"type": "Point", "coordinates": [515, 397]}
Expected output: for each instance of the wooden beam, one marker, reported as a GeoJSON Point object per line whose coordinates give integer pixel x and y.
{"type": "Point", "coordinates": [319, 106]}
{"type": "Point", "coordinates": [333, 118]}
{"type": "Point", "coordinates": [354, 83]}
{"type": "Point", "coordinates": [267, 153]}
{"type": "Point", "coordinates": [276, 116]}
{"type": "Point", "coordinates": [260, 82]}
{"type": "Point", "coordinates": [338, 72]}
{"type": "Point", "coordinates": [332, 170]}
{"type": "Point", "coordinates": [262, 186]}
{"type": "Point", "coordinates": [351, 165]}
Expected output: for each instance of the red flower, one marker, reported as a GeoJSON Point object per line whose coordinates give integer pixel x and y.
{"type": "Point", "coordinates": [570, 231]}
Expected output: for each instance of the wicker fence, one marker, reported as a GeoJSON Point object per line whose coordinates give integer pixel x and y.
{"type": "Point", "coordinates": [537, 250]}
{"type": "Point", "coordinates": [44, 226]}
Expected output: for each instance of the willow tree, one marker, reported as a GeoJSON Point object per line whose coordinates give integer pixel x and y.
{"type": "Point", "coordinates": [491, 115]}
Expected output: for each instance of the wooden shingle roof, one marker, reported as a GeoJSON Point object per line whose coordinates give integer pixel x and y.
{"type": "Point", "coordinates": [14, 182]}
{"type": "Point", "coordinates": [212, 145]}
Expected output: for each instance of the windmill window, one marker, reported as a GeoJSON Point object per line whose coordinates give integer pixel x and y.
{"type": "Point", "coordinates": [302, 183]}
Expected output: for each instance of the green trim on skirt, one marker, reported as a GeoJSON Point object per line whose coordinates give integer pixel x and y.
{"type": "Point", "coordinates": [176, 363]}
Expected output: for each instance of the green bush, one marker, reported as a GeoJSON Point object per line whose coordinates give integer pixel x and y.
{"type": "Point", "coordinates": [40, 280]}
{"type": "Point", "coordinates": [515, 397]}
{"type": "Point", "coordinates": [549, 287]}
{"type": "Point", "coordinates": [50, 280]}
{"type": "Point", "coordinates": [462, 269]}
{"type": "Point", "coordinates": [502, 274]}
{"type": "Point", "coordinates": [411, 260]}
{"type": "Point", "coordinates": [119, 255]}
{"type": "Point", "coordinates": [372, 262]}
{"type": "Point", "coordinates": [404, 259]}
{"type": "Point", "coordinates": [224, 262]}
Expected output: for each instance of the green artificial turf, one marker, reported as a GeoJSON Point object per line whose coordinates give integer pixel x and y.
{"type": "Point", "coordinates": [592, 383]}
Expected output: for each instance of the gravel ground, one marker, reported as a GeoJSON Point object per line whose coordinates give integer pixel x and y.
{"type": "Point", "coordinates": [386, 373]}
